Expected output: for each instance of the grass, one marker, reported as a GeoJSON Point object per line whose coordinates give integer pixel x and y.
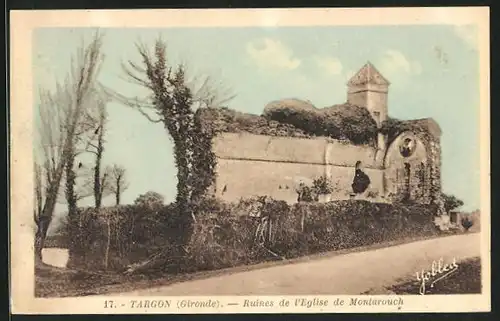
{"type": "Point", "coordinates": [466, 280]}
{"type": "Point", "coordinates": [60, 282]}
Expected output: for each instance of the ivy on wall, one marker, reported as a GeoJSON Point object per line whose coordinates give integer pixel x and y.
{"type": "Point", "coordinates": [392, 128]}
{"type": "Point", "coordinates": [343, 122]}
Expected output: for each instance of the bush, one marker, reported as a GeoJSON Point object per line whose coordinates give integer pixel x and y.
{"type": "Point", "coordinates": [295, 118]}
{"type": "Point", "coordinates": [451, 202]}
{"type": "Point", "coordinates": [136, 232]}
{"type": "Point", "coordinates": [393, 127]}
{"type": "Point", "coordinates": [223, 239]}
{"type": "Point", "coordinates": [343, 122]}
{"type": "Point", "coordinates": [216, 120]}
{"type": "Point", "coordinates": [225, 235]}
{"type": "Point", "coordinates": [152, 200]}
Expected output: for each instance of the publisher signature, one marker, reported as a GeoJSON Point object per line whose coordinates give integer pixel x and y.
{"type": "Point", "coordinates": [439, 270]}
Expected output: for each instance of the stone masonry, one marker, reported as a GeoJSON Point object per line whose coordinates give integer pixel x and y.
{"type": "Point", "coordinates": [405, 167]}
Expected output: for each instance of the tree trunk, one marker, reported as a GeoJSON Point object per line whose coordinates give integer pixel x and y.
{"type": "Point", "coordinates": [97, 170]}
{"type": "Point", "coordinates": [41, 232]}
{"type": "Point", "coordinates": [106, 257]}
{"type": "Point", "coordinates": [70, 186]}
{"type": "Point", "coordinates": [48, 209]}
{"type": "Point", "coordinates": [117, 195]}
{"type": "Point", "coordinates": [185, 218]}
{"type": "Point", "coordinates": [75, 246]}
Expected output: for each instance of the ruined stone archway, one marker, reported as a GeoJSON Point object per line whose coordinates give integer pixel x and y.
{"type": "Point", "coordinates": [407, 164]}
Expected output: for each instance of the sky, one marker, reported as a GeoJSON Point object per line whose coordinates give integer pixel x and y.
{"type": "Point", "coordinates": [433, 70]}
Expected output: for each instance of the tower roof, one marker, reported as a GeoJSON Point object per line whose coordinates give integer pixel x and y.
{"type": "Point", "coordinates": [368, 74]}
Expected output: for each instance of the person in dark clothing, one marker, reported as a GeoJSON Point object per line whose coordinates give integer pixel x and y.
{"type": "Point", "coordinates": [361, 180]}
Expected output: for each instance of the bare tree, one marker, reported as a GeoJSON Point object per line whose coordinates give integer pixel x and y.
{"type": "Point", "coordinates": [173, 99]}
{"type": "Point", "coordinates": [96, 146]}
{"type": "Point", "coordinates": [119, 181]}
{"type": "Point", "coordinates": [60, 114]}
{"type": "Point", "coordinates": [39, 187]}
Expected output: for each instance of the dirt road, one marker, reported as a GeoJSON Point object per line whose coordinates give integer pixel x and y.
{"type": "Point", "coordinates": [353, 273]}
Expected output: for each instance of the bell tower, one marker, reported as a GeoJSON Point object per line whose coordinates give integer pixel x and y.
{"type": "Point", "coordinates": [369, 89]}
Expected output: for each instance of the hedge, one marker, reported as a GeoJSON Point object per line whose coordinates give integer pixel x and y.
{"type": "Point", "coordinates": [137, 232]}
{"type": "Point", "coordinates": [225, 235]}
{"type": "Point", "coordinates": [224, 240]}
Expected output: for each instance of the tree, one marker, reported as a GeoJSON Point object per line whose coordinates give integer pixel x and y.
{"type": "Point", "coordinates": [451, 202]}
{"type": "Point", "coordinates": [38, 185]}
{"type": "Point", "coordinates": [118, 182]}
{"type": "Point", "coordinates": [60, 114]}
{"type": "Point", "coordinates": [150, 200]}
{"type": "Point", "coordinates": [100, 180]}
{"type": "Point", "coordinates": [173, 99]}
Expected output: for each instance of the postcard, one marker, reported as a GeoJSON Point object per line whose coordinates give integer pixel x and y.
{"type": "Point", "coordinates": [250, 161]}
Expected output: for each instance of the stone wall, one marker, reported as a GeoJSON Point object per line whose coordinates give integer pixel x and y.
{"type": "Point", "coordinates": [245, 146]}
{"type": "Point", "coordinates": [256, 165]}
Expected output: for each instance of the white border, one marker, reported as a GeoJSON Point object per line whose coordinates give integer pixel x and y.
{"type": "Point", "coordinates": [24, 22]}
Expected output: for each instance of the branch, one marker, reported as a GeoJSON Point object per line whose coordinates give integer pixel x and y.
{"type": "Point", "coordinates": [133, 103]}
{"type": "Point", "coordinates": [91, 145]}
{"type": "Point", "coordinates": [91, 151]}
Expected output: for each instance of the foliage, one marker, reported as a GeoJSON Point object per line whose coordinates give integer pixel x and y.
{"type": "Point", "coordinates": [393, 127]}
{"type": "Point", "coordinates": [343, 122]}
{"type": "Point", "coordinates": [204, 160]}
{"type": "Point", "coordinates": [174, 100]}
{"type": "Point", "coordinates": [322, 185]}
{"type": "Point", "coordinates": [222, 239]}
{"type": "Point", "coordinates": [451, 202]}
{"type": "Point", "coordinates": [227, 235]}
{"type": "Point", "coordinates": [227, 120]}
{"type": "Point", "coordinates": [150, 200]}
{"type": "Point", "coordinates": [306, 193]}
{"type": "Point", "coordinates": [294, 118]}
{"type": "Point", "coordinates": [137, 232]}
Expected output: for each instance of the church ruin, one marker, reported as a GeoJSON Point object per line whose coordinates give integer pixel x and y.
{"type": "Point", "coordinates": [402, 163]}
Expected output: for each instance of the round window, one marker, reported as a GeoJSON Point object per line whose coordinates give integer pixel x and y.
{"type": "Point", "coordinates": [407, 146]}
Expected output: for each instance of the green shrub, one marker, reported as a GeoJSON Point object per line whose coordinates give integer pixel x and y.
{"type": "Point", "coordinates": [216, 120]}
{"type": "Point", "coordinates": [295, 118]}
{"type": "Point", "coordinates": [451, 202]}
{"type": "Point", "coordinates": [343, 122]}
{"type": "Point", "coordinates": [136, 232]}
{"type": "Point", "coordinates": [393, 127]}
{"type": "Point", "coordinates": [225, 235]}
{"type": "Point", "coordinates": [222, 239]}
